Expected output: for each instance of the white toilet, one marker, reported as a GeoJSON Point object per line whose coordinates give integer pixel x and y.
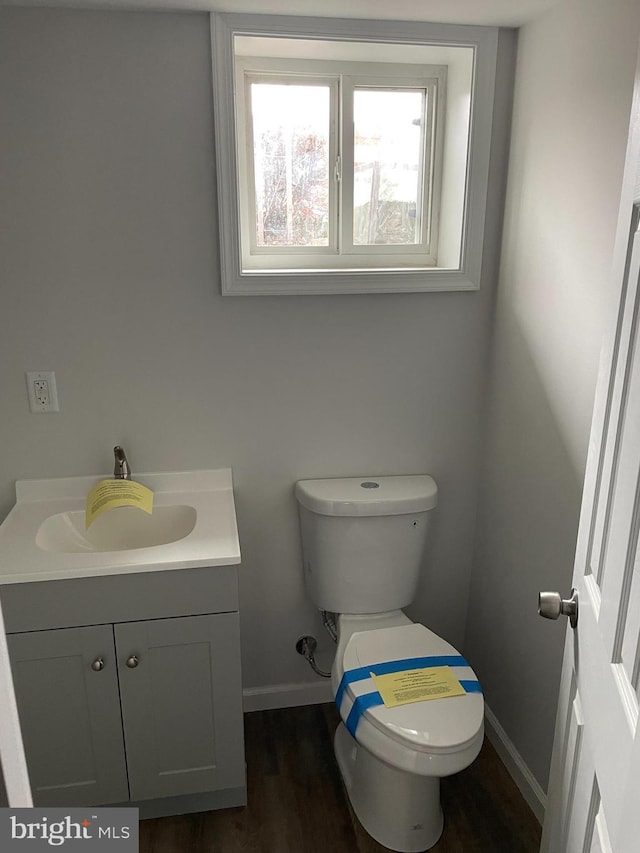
{"type": "Point", "coordinates": [363, 541]}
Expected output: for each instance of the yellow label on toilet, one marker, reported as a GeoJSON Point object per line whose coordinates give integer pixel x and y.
{"type": "Point", "coordinates": [417, 685]}
{"type": "Point", "coordinates": [112, 493]}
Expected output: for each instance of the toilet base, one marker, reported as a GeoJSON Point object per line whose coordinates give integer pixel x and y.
{"type": "Point", "coordinates": [399, 810]}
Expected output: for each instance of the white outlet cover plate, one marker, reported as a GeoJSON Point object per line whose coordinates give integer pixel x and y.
{"type": "Point", "coordinates": [49, 377]}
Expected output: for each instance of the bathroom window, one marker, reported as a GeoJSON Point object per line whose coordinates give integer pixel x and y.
{"type": "Point", "coordinates": [339, 163]}
{"type": "Point", "coordinates": [351, 158]}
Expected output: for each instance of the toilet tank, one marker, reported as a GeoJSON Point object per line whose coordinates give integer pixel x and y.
{"type": "Point", "coordinates": [363, 540]}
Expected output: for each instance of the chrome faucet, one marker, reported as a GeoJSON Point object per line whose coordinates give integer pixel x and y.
{"type": "Point", "coordinates": [121, 470]}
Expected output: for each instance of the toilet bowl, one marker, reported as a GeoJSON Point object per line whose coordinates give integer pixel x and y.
{"type": "Point", "coordinates": [392, 758]}
{"type": "Point", "coordinates": [363, 541]}
{"type": "Point", "coordinates": [431, 738]}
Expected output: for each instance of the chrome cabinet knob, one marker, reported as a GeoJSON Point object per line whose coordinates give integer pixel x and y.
{"type": "Point", "coordinates": [97, 665]}
{"type": "Point", "coordinates": [132, 662]}
{"type": "Point", "coordinates": [551, 606]}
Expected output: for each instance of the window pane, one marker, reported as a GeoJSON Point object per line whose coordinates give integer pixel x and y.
{"type": "Point", "coordinates": [291, 164]}
{"type": "Point", "coordinates": [387, 189]}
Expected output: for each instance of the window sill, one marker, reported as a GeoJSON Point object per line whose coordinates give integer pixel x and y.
{"type": "Point", "coordinates": [347, 281]}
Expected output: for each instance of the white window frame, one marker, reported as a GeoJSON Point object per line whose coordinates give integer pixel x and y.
{"type": "Point", "coordinates": [385, 76]}
{"type": "Point", "coordinates": [264, 257]}
{"type": "Point", "coordinates": [343, 79]}
{"type": "Point", "coordinates": [236, 277]}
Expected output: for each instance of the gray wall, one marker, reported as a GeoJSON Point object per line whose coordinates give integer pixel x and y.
{"type": "Point", "coordinates": [109, 276]}
{"type": "Point", "coordinates": [574, 82]}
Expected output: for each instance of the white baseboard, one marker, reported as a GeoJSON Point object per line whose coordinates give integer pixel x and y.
{"type": "Point", "coordinates": [513, 761]}
{"type": "Point", "coordinates": [286, 695]}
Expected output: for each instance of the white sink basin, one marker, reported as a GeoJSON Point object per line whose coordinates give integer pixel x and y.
{"type": "Point", "coordinates": [119, 529]}
{"type": "Point", "coordinates": [193, 524]}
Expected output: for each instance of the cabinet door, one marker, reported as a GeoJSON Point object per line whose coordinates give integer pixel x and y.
{"type": "Point", "coordinates": [70, 715]}
{"type": "Point", "coordinates": [181, 699]}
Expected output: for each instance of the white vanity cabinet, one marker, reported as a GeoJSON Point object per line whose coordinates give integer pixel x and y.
{"type": "Point", "coordinates": [129, 689]}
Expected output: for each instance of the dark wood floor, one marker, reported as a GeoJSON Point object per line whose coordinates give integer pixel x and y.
{"type": "Point", "coordinates": [297, 803]}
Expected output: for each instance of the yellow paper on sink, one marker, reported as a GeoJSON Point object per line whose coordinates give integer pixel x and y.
{"type": "Point", "coordinates": [112, 493]}
{"type": "Point", "coordinates": [417, 685]}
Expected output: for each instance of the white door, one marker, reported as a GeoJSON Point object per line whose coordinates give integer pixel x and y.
{"type": "Point", "coordinates": [594, 791]}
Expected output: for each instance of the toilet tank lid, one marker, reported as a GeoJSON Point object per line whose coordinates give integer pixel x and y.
{"type": "Point", "coordinates": [365, 496]}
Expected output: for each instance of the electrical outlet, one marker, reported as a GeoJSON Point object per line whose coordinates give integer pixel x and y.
{"type": "Point", "coordinates": [42, 391]}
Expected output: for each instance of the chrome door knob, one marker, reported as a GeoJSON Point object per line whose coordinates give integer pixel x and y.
{"type": "Point", "coordinates": [97, 665]}
{"type": "Point", "coordinates": [551, 606]}
{"type": "Point", "coordinates": [132, 662]}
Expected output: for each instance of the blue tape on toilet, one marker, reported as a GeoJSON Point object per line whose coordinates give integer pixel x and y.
{"type": "Point", "coordinates": [363, 672]}
{"type": "Point", "coordinates": [371, 700]}
{"type": "Point", "coordinates": [367, 700]}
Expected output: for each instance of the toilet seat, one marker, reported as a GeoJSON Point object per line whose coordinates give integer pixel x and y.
{"type": "Point", "coordinates": [418, 733]}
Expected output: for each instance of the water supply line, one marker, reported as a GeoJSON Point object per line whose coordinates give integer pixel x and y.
{"type": "Point", "coordinates": [306, 646]}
